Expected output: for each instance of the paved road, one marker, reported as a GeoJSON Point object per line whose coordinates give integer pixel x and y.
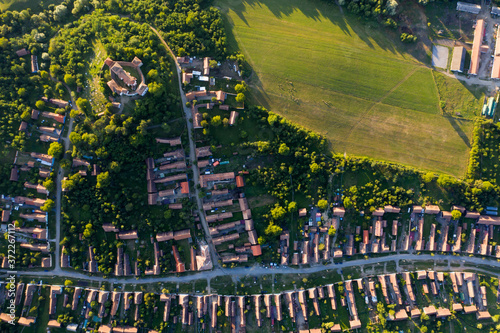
{"type": "Point", "coordinates": [192, 154]}
{"type": "Point", "coordinates": [60, 176]}
{"type": "Point", "coordinates": [259, 270]}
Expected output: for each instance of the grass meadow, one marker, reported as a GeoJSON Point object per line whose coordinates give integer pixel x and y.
{"type": "Point", "coordinates": [350, 80]}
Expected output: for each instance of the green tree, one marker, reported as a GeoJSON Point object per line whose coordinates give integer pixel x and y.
{"type": "Point", "coordinates": [272, 118]}
{"type": "Point", "coordinates": [22, 92]}
{"type": "Point", "coordinates": [60, 12]}
{"type": "Point", "coordinates": [315, 167]}
{"type": "Point", "coordinates": [292, 207]}
{"type": "Point", "coordinates": [103, 180]}
{"type": "Point", "coordinates": [322, 204]}
{"type": "Point", "coordinates": [428, 177]}
{"type": "Point", "coordinates": [241, 87]}
{"type": "Point", "coordinates": [278, 212]}
{"type": "Point", "coordinates": [332, 231]}
{"type": "Point", "coordinates": [56, 150]}
{"type": "Point", "coordinates": [240, 98]}
{"type": "Point", "coordinates": [48, 205]}
{"type": "Point", "coordinates": [216, 121]}
{"type": "Point", "coordinates": [84, 105]}
{"type": "Point", "coordinates": [44, 75]}
{"type": "Point", "coordinates": [456, 214]}
{"type": "Point", "coordinates": [273, 230]}
{"type": "Point", "coordinates": [114, 166]}
{"type": "Point", "coordinates": [89, 231]}
{"type": "Point", "coordinates": [49, 185]}
{"type": "Point", "coordinates": [26, 115]}
{"type": "Point", "coordinates": [446, 181]}
{"type": "Point", "coordinates": [153, 74]}
{"type": "Point", "coordinates": [40, 105]}
{"type": "Point", "coordinates": [69, 79]}
{"type": "Point", "coordinates": [284, 150]}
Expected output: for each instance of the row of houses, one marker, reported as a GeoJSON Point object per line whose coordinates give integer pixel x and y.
{"type": "Point", "coordinates": [229, 232]}
{"type": "Point", "coordinates": [398, 291]}
{"type": "Point", "coordinates": [34, 60]}
{"type": "Point", "coordinates": [175, 186]}
{"type": "Point", "coordinates": [200, 258]}
{"type": "Point", "coordinates": [383, 236]}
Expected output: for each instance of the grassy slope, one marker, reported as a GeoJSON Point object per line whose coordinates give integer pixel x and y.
{"type": "Point", "coordinates": [331, 73]}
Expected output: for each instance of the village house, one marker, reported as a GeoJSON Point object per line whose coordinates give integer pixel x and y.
{"type": "Point", "coordinates": [57, 102]}
{"type": "Point", "coordinates": [54, 291]}
{"type": "Point", "coordinates": [477, 48]}
{"type": "Point", "coordinates": [34, 64]}
{"type": "Point", "coordinates": [22, 52]}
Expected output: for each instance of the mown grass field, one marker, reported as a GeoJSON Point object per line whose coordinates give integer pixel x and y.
{"type": "Point", "coordinates": [348, 79]}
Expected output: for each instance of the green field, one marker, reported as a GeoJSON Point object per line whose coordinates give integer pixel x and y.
{"type": "Point", "coordinates": [350, 80]}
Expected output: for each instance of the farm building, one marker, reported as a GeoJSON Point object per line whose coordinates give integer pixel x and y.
{"type": "Point", "coordinates": [489, 107]}
{"type": "Point", "coordinates": [468, 7]}
{"type": "Point", "coordinates": [457, 62]}
{"type": "Point", "coordinates": [476, 47]}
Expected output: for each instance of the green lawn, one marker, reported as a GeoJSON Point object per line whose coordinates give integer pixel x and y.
{"type": "Point", "coordinates": [459, 98]}
{"type": "Point", "coordinates": [93, 92]}
{"type": "Point", "coordinates": [348, 79]}
{"type": "Point", "coordinates": [425, 98]}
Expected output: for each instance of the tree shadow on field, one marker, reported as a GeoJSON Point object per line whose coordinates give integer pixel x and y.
{"type": "Point", "coordinates": [456, 126]}
{"type": "Point", "coordinates": [318, 10]}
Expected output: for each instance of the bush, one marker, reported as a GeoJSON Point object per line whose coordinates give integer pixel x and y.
{"type": "Point", "coordinates": [408, 38]}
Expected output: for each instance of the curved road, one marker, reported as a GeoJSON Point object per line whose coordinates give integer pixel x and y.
{"type": "Point", "coordinates": [192, 153]}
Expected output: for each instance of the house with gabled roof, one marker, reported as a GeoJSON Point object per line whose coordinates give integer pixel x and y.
{"type": "Point", "coordinates": [5, 215]}
{"type": "Point", "coordinates": [26, 321]}
{"type": "Point", "coordinates": [22, 52]}
{"type": "Point", "coordinates": [102, 299]}
{"type": "Point", "coordinates": [54, 291]}
{"type": "Point", "coordinates": [115, 298]}
{"type": "Point", "coordinates": [432, 209]}
{"type": "Point", "coordinates": [76, 298]}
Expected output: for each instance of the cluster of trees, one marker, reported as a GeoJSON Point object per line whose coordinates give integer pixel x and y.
{"type": "Point", "coordinates": [370, 196]}
{"type": "Point", "coordinates": [297, 165]}
{"type": "Point", "coordinates": [483, 160]}
{"type": "Point", "coordinates": [372, 9]}
{"type": "Point", "coordinates": [118, 144]}
{"type": "Point", "coordinates": [190, 27]}
{"type": "Point", "coordinates": [408, 38]}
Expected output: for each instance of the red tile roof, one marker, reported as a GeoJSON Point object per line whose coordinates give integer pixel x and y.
{"type": "Point", "coordinates": [476, 47]}
{"type": "Point", "coordinates": [256, 250]}
{"type": "Point", "coordinates": [239, 181]}
{"type": "Point", "coordinates": [185, 188]}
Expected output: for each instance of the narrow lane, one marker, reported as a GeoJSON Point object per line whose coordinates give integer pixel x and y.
{"type": "Point", "coordinates": [60, 176]}
{"type": "Point", "coordinates": [192, 154]}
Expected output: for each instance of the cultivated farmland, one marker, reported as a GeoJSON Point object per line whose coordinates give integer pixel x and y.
{"type": "Point", "coordinates": [349, 80]}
